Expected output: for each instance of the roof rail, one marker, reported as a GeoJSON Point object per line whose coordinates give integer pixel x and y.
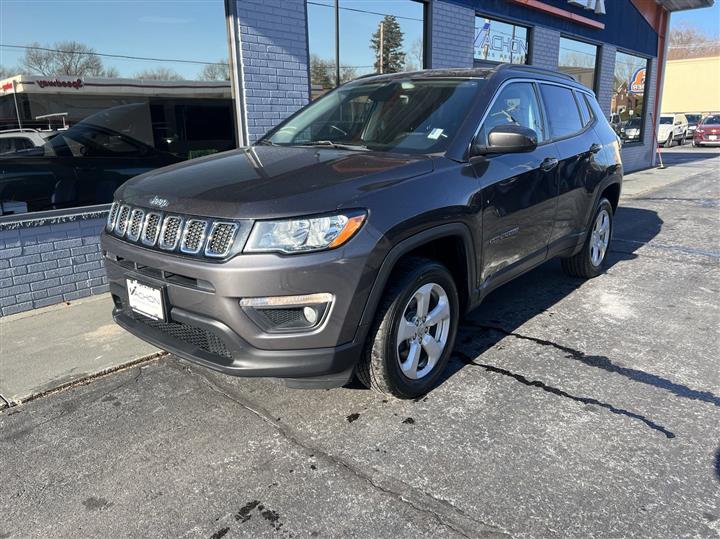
{"type": "Point", "coordinates": [535, 69]}
{"type": "Point", "coordinates": [19, 130]}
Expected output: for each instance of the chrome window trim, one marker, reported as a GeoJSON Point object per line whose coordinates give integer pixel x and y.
{"type": "Point", "coordinates": [161, 243]}
{"type": "Point", "coordinates": [145, 225]}
{"type": "Point", "coordinates": [233, 236]}
{"type": "Point", "coordinates": [201, 241]}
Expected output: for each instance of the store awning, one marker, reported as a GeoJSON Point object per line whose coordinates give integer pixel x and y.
{"type": "Point", "coordinates": [682, 5]}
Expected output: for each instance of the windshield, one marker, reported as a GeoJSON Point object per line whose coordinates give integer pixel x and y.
{"type": "Point", "coordinates": [406, 116]}
{"type": "Point", "coordinates": [666, 120]}
{"type": "Point", "coordinates": [693, 118]}
{"type": "Point", "coordinates": [712, 120]}
{"type": "Point", "coordinates": [634, 122]}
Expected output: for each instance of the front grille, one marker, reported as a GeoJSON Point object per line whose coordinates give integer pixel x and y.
{"type": "Point", "coordinates": [170, 232]}
{"type": "Point", "coordinates": [151, 229]}
{"type": "Point", "coordinates": [221, 239]}
{"type": "Point", "coordinates": [202, 338]}
{"type": "Point", "coordinates": [135, 224]}
{"type": "Point", "coordinates": [193, 236]}
{"type": "Point", "coordinates": [182, 234]}
{"type": "Point", "coordinates": [122, 220]}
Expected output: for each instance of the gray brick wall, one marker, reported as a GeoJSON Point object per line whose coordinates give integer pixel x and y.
{"type": "Point", "coordinates": [606, 77]}
{"type": "Point", "coordinates": [544, 47]}
{"type": "Point", "coordinates": [51, 263]}
{"type": "Point", "coordinates": [274, 47]}
{"type": "Point", "coordinates": [452, 35]}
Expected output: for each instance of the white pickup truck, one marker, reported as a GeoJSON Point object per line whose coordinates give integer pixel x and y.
{"type": "Point", "coordinates": [673, 127]}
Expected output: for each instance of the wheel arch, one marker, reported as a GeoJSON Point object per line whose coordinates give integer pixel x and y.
{"type": "Point", "coordinates": [450, 244]}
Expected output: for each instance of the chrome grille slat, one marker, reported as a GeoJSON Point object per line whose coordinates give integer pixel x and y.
{"type": "Point", "coordinates": [135, 224]}
{"type": "Point", "coordinates": [151, 228]}
{"type": "Point", "coordinates": [221, 239]}
{"type": "Point", "coordinates": [193, 236]}
{"type": "Point", "coordinates": [112, 216]}
{"type": "Point", "coordinates": [122, 220]}
{"type": "Point", "coordinates": [170, 232]}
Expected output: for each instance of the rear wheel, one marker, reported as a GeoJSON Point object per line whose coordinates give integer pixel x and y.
{"type": "Point", "coordinates": [669, 141]}
{"type": "Point", "coordinates": [414, 331]}
{"type": "Point", "coordinates": [589, 262]}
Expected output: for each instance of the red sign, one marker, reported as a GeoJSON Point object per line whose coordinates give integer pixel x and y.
{"type": "Point", "coordinates": [7, 86]}
{"type": "Point", "coordinates": [77, 84]}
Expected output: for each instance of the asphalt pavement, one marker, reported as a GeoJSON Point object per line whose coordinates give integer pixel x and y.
{"type": "Point", "coordinates": [572, 409]}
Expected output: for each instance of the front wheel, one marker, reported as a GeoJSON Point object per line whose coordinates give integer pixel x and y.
{"type": "Point", "coordinates": [411, 340]}
{"type": "Point", "coordinates": [589, 262]}
{"type": "Point", "coordinates": [669, 141]}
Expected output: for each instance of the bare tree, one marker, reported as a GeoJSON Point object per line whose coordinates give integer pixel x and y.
{"type": "Point", "coordinates": [217, 71]}
{"type": "Point", "coordinates": [7, 72]}
{"type": "Point", "coordinates": [159, 73]}
{"type": "Point", "coordinates": [415, 56]}
{"type": "Point", "coordinates": [688, 41]}
{"type": "Point", "coordinates": [64, 58]}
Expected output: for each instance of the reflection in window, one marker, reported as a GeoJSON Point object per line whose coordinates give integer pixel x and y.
{"type": "Point", "coordinates": [497, 41]}
{"type": "Point", "coordinates": [362, 25]}
{"type": "Point", "coordinates": [579, 60]}
{"type": "Point", "coordinates": [629, 97]}
{"type": "Point", "coordinates": [95, 112]}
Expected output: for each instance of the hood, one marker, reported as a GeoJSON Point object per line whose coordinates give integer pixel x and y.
{"type": "Point", "coordinates": [270, 181]}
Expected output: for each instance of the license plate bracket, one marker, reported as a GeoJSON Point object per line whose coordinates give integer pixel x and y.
{"type": "Point", "coordinates": [147, 300]}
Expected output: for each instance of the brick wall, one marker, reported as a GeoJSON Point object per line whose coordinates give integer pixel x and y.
{"type": "Point", "coordinates": [43, 262]}
{"type": "Point", "coordinates": [452, 35]}
{"type": "Point", "coordinates": [544, 47]}
{"type": "Point", "coordinates": [274, 48]}
{"type": "Point", "coordinates": [606, 77]}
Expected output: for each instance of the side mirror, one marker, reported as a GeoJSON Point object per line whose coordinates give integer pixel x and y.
{"type": "Point", "coordinates": [508, 138]}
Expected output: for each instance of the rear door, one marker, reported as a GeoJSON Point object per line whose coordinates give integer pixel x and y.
{"type": "Point", "coordinates": [579, 150]}
{"type": "Point", "coordinates": [519, 189]}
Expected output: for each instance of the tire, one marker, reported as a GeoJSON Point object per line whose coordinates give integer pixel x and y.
{"type": "Point", "coordinates": [586, 264]}
{"type": "Point", "coordinates": [386, 365]}
{"type": "Point", "coordinates": [669, 141]}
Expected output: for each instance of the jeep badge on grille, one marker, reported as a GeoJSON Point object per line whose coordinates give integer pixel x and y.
{"type": "Point", "coordinates": [159, 202]}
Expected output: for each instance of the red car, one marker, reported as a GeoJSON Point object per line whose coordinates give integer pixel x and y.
{"type": "Point", "coordinates": [708, 131]}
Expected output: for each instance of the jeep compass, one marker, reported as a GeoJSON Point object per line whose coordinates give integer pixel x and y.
{"type": "Point", "coordinates": [350, 239]}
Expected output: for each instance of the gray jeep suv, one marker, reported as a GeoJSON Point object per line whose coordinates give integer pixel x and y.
{"type": "Point", "coordinates": [351, 238]}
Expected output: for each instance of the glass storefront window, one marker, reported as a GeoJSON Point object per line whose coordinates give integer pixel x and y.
{"type": "Point", "coordinates": [628, 100]}
{"type": "Point", "coordinates": [497, 41]}
{"type": "Point", "coordinates": [578, 59]}
{"type": "Point", "coordinates": [86, 108]}
{"type": "Point", "coordinates": [362, 23]}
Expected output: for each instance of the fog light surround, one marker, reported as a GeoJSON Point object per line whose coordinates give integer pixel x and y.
{"type": "Point", "coordinates": [288, 314]}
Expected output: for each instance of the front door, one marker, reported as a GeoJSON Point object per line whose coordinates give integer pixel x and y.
{"type": "Point", "coordinates": [519, 189]}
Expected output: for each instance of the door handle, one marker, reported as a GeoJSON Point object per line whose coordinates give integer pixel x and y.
{"type": "Point", "coordinates": [548, 164]}
{"type": "Point", "coordinates": [595, 148]}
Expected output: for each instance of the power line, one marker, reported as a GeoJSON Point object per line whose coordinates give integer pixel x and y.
{"type": "Point", "coordinates": [365, 11]}
{"type": "Point", "coordinates": [107, 55]}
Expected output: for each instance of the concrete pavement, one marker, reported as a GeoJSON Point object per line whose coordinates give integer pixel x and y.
{"type": "Point", "coordinates": [572, 409]}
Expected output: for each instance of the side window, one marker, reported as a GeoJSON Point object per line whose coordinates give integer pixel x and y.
{"type": "Point", "coordinates": [517, 104]}
{"type": "Point", "coordinates": [585, 111]}
{"type": "Point", "coordinates": [563, 114]}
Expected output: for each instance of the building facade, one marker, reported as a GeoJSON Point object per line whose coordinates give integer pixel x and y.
{"type": "Point", "coordinates": [692, 85]}
{"type": "Point", "coordinates": [281, 55]}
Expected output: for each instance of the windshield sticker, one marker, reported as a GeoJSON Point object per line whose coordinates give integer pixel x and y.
{"type": "Point", "coordinates": [435, 133]}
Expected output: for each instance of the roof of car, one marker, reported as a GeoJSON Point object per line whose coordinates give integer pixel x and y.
{"type": "Point", "coordinates": [483, 72]}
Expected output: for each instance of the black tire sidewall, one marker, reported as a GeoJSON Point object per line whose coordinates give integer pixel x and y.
{"type": "Point", "coordinates": [434, 273]}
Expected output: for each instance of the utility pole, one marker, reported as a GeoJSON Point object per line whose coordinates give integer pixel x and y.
{"type": "Point", "coordinates": [337, 42]}
{"type": "Point", "coordinates": [382, 43]}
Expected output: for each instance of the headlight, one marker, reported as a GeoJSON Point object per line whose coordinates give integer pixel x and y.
{"type": "Point", "coordinates": [304, 234]}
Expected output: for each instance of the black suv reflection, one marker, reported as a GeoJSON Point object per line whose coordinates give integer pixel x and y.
{"type": "Point", "coordinates": [85, 164]}
{"type": "Point", "coordinates": [351, 238]}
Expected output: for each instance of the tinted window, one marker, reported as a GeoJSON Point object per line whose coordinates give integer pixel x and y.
{"type": "Point", "coordinates": [517, 104]}
{"type": "Point", "coordinates": [585, 111]}
{"type": "Point", "coordinates": [563, 115]}
{"type": "Point", "coordinates": [666, 120]}
{"type": "Point", "coordinates": [711, 120]}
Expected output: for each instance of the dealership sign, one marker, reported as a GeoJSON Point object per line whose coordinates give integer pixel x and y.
{"type": "Point", "coordinates": [637, 82]}
{"type": "Point", "coordinates": [57, 83]}
{"type": "Point", "coordinates": [598, 6]}
{"type": "Point", "coordinates": [498, 45]}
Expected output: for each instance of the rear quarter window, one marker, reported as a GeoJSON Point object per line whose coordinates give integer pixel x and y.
{"type": "Point", "coordinates": [562, 111]}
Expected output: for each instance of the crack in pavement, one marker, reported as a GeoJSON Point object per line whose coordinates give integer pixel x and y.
{"type": "Point", "coordinates": [457, 521]}
{"type": "Point", "coordinates": [678, 248]}
{"type": "Point", "coordinates": [604, 363]}
{"type": "Point", "coordinates": [467, 360]}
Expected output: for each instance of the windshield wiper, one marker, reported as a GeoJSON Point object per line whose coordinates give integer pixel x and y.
{"type": "Point", "coordinates": [336, 145]}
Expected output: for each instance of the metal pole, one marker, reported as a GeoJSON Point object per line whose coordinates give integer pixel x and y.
{"type": "Point", "coordinates": [382, 43]}
{"type": "Point", "coordinates": [236, 73]}
{"type": "Point", "coordinates": [17, 109]}
{"type": "Point", "coordinates": [337, 42]}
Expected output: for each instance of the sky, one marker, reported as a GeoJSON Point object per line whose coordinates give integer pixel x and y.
{"type": "Point", "coordinates": [706, 19]}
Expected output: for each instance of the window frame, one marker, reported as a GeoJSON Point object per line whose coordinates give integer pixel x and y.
{"type": "Point", "coordinates": [598, 53]}
{"type": "Point", "coordinates": [643, 123]}
{"type": "Point", "coordinates": [478, 62]}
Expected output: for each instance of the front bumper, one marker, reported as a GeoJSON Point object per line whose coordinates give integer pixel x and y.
{"type": "Point", "coordinates": [205, 323]}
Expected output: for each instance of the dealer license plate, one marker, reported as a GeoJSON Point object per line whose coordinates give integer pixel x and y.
{"type": "Point", "coordinates": [712, 137]}
{"type": "Point", "coordinates": [146, 300]}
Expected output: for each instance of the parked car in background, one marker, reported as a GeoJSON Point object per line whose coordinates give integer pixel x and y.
{"type": "Point", "coordinates": [630, 130]}
{"type": "Point", "coordinates": [673, 127]}
{"type": "Point", "coordinates": [708, 131]}
{"type": "Point", "coordinates": [693, 119]}
{"type": "Point", "coordinates": [14, 140]}
{"type": "Point", "coordinates": [351, 238]}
